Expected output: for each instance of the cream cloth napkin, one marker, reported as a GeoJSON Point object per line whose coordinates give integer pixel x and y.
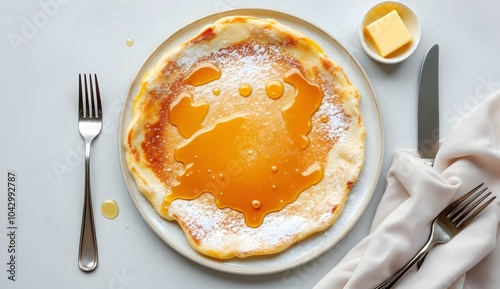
{"type": "Point", "coordinates": [416, 193]}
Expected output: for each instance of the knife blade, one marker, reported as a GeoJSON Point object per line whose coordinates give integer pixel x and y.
{"type": "Point", "coordinates": [428, 106]}
{"type": "Point", "coordinates": [428, 109]}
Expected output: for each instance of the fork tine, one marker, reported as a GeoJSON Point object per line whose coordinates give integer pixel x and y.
{"type": "Point", "coordinates": [87, 106]}
{"type": "Point", "coordinates": [98, 95]}
{"type": "Point", "coordinates": [92, 112]}
{"type": "Point", "coordinates": [453, 207]}
{"type": "Point", "coordinates": [465, 206]}
{"type": "Point", "coordinates": [477, 211]}
{"type": "Point", "coordinates": [80, 97]}
{"type": "Point", "coordinates": [469, 206]}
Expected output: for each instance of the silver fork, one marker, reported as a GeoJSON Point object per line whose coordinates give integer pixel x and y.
{"type": "Point", "coordinates": [447, 225]}
{"type": "Point", "coordinates": [89, 125]}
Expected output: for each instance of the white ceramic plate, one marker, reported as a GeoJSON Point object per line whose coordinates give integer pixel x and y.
{"type": "Point", "coordinates": [360, 195]}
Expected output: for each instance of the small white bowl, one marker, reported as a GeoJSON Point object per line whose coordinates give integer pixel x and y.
{"type": "Point", "coordinates": [410, 20]}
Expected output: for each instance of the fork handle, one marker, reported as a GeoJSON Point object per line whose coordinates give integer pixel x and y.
{"type": "Point", "coordinates": [389, 283]}
{"type": "Point", "coordinates": [87, 255]}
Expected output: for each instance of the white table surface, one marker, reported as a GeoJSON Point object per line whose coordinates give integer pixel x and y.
{"type": "Point", "coordinates": [45, 44]}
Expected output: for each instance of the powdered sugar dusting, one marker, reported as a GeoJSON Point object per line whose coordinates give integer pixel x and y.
{"type": "Point", "coordinates": [336, 120]}
{"type": "Point", "coordinates": [221, 224]}
{"type": "Point", "coordinates": [251, 64]}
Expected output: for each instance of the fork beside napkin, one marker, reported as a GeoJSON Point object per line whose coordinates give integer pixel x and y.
{"type": "Point", "coordinates": [416, 193]}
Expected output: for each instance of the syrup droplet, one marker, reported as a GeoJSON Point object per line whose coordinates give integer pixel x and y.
{"type": "Point", "coordinates": [203, 73]}
{"type": "Point", "coordinates": [130, 42]}
{"type": "Point", "coordinates": [186, 115]}
{"type": "Point", "coordinates": [274, 89]}
{"type": "Point", "coordinates": [109, 209]}
{"type": "Point", "coordinates": [324, 118]}
{"type": "Point", "coordinates": [245, 90]}
{"type": "Point", "coordinates": [297, 114]}
{"type": "Point", "coordinates": [274, 168]}
{"type": "Point", "coordinates": [216, 91]}
{"type": "Point", "coordinates": [256, 204]}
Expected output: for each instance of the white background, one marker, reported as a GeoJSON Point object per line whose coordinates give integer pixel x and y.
{"type": "Point", "coordinates": [45, 44]}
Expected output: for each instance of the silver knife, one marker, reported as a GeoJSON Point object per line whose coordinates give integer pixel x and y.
{"type": "Point", "coordinates": [428, 106]}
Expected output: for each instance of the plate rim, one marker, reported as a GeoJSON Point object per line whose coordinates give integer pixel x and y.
{"type": "Point", "coordinates": [205, 260]}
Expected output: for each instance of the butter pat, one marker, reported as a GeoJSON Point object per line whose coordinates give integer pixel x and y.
{"type": "Point", "coordinates": [388, 33]}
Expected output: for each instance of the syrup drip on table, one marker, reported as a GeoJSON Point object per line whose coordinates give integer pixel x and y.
{"type": "Point", "coordinates": [226, 160]}
{"type": "Point", "coordinates": [109, 209]}
{"type": "Point", "coordinates": [130, 42]}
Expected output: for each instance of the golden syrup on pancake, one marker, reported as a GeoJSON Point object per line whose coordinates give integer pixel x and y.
{"type": "Point", "coordinates": [183, 113]}
{"type": "Point", "coordinates": [223, 159]}
{"type": "Point", "coordinates": [274, 89]}
{"type": "Point", "coordinates": [202, 74]}
{"type": "Point", "coordinates": [186, 115]}
{"type": "Point", "coordinates": [297, 114]}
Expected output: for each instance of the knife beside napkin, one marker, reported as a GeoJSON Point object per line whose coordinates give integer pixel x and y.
{"type": "Point", "coordinates": [428, 106]}
{"type": "Point", "coordinates": [415, 194]}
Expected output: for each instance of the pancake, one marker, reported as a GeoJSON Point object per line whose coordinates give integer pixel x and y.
{"type": "Point", "coordinates": [248, 136]}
